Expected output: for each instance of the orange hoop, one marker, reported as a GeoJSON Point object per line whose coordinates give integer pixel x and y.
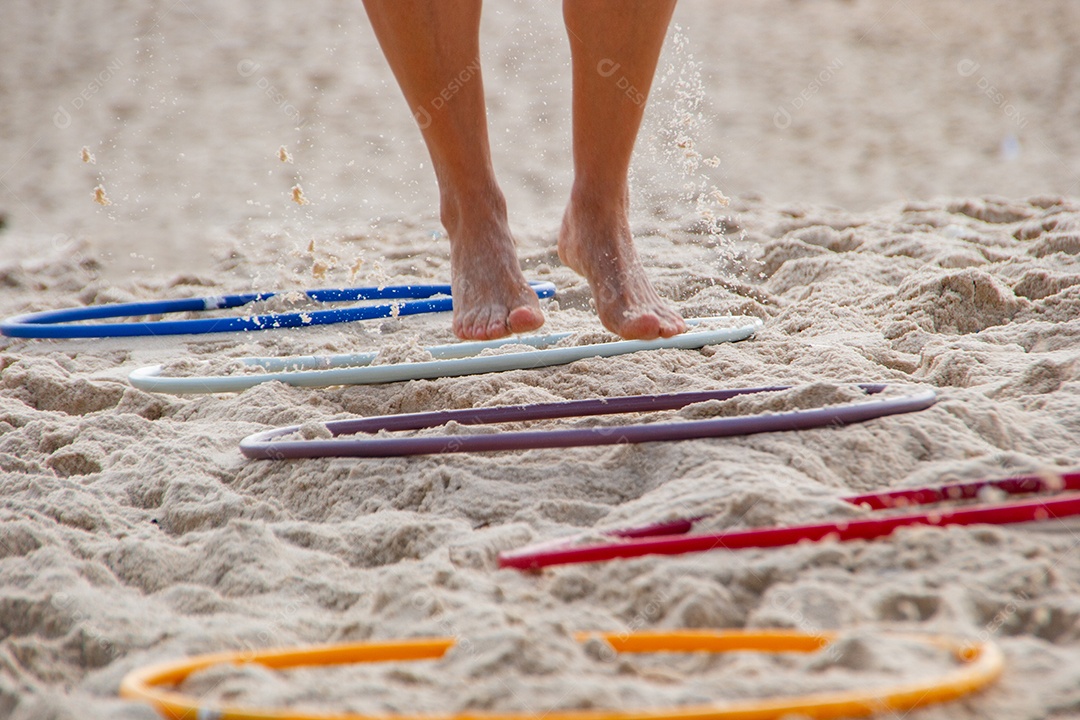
{"type": "Point", "coordinates": [981, 664]}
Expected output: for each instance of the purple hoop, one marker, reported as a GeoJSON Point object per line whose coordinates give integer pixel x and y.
{"type": "Point", "coordinates": [266, 445]}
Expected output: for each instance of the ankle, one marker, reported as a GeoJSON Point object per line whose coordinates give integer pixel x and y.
{"type": "Point", "coordinates": [471, 208]}
{"type": "Point", "coordinates": [598, 200]}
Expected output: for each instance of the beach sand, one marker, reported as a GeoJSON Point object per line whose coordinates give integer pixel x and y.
{"type": "Point", "coordinates": [904, 184]}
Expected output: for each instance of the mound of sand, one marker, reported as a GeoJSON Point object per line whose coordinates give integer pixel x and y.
{"type": "Point", "coordinates": [134, 531]}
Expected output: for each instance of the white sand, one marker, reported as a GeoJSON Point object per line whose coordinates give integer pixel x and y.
{"type": "Point", "coordinates": [133, 530]}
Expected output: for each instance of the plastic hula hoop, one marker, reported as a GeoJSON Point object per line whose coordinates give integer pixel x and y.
{"type": "Point", "coordinates": [670, 538]}
{"type": "Point", "coordinates": [61, 323]}
{"type": "Point", "coordinates": [981, 664]}
{"type": "Point", "coordinates": [269, 445]}
{"type": "Point", "coordinates": [452, 360]}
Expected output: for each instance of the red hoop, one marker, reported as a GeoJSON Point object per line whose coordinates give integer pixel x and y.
{"type": "Point", "coordinates": [670, 538]}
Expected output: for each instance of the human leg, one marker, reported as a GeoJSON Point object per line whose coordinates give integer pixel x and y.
{"type": "Point", "coordinates": [615, 46]}
{"type": "Point", "coordinates": [433, 48]}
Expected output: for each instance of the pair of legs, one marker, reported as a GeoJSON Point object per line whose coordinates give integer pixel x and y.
{"type": "Point", "coordinates": [433, 47]}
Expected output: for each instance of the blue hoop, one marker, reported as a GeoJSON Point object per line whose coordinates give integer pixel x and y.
{"type": "Point", "coordinates": [57, 323]}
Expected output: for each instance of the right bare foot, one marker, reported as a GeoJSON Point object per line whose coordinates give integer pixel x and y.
{"type": "Point", "coordinates": [596, 242]}
{"type": "Point", "coordinates": [492, 299]}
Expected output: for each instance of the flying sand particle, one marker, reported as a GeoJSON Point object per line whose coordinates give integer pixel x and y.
{"type": "Point", "coordinates": [283, 155]}
{"type": "Point", "coordinates": [100, 197]}
{"type": "Point", "coordinates": [87, 156]}
{"type": "Point", "coordinates": [298, 196]}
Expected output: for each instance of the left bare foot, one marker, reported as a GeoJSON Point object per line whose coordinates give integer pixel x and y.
{"type": "Point", "coordinates": [596, 242]}
{"type": "Point", "coordinates": [492, 299]}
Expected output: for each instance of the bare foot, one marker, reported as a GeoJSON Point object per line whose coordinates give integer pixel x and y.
{"type": "Point", "coordinates": [492, 299]}
{"type": "Point", "coordinates": [597, 244]}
